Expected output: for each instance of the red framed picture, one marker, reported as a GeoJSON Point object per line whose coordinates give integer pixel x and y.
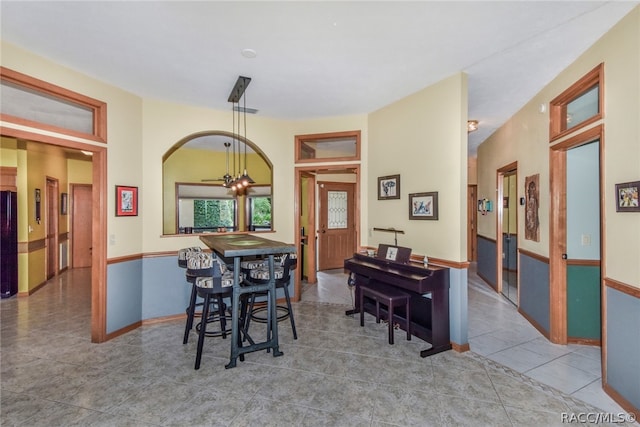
{"type": "Point", "coordinates": [126, 201]}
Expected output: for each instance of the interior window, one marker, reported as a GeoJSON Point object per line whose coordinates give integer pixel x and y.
{"type": "Point", "coordinates": [578, 106]}
{"type": "Point", "coordinates": [196, 197]}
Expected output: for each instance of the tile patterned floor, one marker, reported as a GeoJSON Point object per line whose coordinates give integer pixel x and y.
{"type": "Point", "coordinates": [336, 374]}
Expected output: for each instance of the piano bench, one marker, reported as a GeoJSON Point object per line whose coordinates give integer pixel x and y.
{"type": "Point", "coordinates": [391, 297]}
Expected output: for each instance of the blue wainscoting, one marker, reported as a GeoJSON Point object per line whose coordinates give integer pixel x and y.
{"type": "Point", "coordinates": [165, 291]}
{"type": "Point", "coordinates": [458, 300]}
{"type": "Point", "coordinates": [487, 261]}
{"type": "Point", "coordinates": [534, 290]}
{"type": "Point", "coordinates": [124, 294]}
{"type": "Point", "coordinates": [623, 344]}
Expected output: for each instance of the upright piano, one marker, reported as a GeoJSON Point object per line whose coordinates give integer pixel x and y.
{"type": "Point", "coordinates": [429, 290]}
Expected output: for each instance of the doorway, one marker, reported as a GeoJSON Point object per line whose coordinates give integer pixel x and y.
{"type": "Point", "coordinates": [51, 221]}
{"type": "Point", "coordinates": [81, 207]}
{"type": "Point", "coordinates": [341, 227]}
{"type": "Point", "coordinates": [507, 242]}
{"type": "Point", "coordinates": [575, 251]}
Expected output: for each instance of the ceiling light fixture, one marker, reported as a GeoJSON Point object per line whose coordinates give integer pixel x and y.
{"type": "Point", "coordinates": [237, 93]}
{"type": "Point", "coordinates": [472, 125]}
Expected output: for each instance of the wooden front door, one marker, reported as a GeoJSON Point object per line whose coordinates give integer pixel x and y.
{"type": "Point", "coordinates": [81, 242]}
{"type": "Point", "coordinates": [336, 233]}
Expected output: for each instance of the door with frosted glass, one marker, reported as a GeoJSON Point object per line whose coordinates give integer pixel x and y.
{"type": "Point", "coordinates": [336, 231]}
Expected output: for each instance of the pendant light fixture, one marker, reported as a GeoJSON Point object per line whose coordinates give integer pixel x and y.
{"type": "Point", "coordinates": [242, 180]}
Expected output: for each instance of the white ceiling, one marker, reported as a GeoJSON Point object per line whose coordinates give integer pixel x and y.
{"type": "Point", "coordinates": [316, 59]}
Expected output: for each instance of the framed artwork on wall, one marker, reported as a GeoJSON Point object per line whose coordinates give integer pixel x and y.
{"type": "Point", "coordinates": [389, 187]}
{"type": "Point", "coordinates": [423, 205]}
{"type": "Point", "coordinates": [126, 200]}
{"type": "Point", "coordinates": [627, 197]}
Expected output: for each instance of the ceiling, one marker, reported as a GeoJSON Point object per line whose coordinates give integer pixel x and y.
{"type": "Point", "coordinates": [316, 59]}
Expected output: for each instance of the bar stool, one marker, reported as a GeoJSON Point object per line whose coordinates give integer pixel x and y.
{"type": "Point", "coordinates": [212, 288]}
{"type": "Point", "coordinates": [391, 297]}
{"type": "Point", "coordinates": [259, 273]}
{"type": "Point", "coordinates": [203, 264]}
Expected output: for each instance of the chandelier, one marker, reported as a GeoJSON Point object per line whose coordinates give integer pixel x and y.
{"type": "Point", "coordinates": [242, 180]}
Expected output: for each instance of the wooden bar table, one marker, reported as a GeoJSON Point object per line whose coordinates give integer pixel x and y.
{"type": "Point", "coordinates": [237, 246]}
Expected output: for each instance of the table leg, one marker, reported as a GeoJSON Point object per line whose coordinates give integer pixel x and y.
{"type": "Point", "coordinates": [273, 311]}
{"type": "Point", "coordinates": [235, 303]}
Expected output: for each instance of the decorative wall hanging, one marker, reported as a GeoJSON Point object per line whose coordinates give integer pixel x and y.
{"type": "Point", "coordinates": [423, 205]}
{"type": "Point", "coordinates": [126, 201]}
{"type": "Point", "coordinates": [38, 200]}
{"type": "Point", "coordinates": [64, 203]}
{"type": "Point", "coordinates": [531, 219]}
{"type": "Point", "coordinates": [627, 197]}
{"type": "Point", "coordinates": [389, 187]}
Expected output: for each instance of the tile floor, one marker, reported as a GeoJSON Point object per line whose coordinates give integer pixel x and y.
{"type": "Point", "coordinates": [336, 374]}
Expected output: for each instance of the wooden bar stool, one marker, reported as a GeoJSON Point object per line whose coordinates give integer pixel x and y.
{"type": "Point", "coordinates": [391, 297]}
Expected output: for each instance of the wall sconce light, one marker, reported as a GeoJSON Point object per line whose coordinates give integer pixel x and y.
{"type": "Point", "coordinates": [472, 125]}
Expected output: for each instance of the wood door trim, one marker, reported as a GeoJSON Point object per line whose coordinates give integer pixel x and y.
{"type": "Point", "coordinates": [299, 171]}
{"type": "Point", "coordinates": [558, 233]}
{"type": "Point", "coordinates": [99, 221]}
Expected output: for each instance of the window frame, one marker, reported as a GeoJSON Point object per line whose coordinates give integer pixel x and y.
{"type": "Point", "coordinates": [558, 105]}
{"type": "Point", "coordinates": [300, 147]}
{"type": "Point", "coordinates": [40, 87]}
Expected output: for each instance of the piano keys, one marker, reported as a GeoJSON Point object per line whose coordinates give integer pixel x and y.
{"type": "Point", "coordinates": [429, 290]}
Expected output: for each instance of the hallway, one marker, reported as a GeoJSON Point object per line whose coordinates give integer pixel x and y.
{"type": "Point", "coordinates": [336, 373]}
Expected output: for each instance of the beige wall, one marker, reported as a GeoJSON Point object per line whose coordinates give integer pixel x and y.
{"type": "Point", "coordinates": [525, 139]}
{"type": "Point", "coordinates": [423, 138]}
{"type": "Point", "coordinates": [124, 133]}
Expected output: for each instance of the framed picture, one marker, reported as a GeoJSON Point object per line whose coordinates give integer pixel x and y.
{"type": "Point", "coordinates": [126, 201]}
{"type": "Point", "coordinates": [423, 205]}
{"type": "Point", "coordinates": [64, 202]}
{"type": "Point", "coordinates": [627, 199]}
{"type": "Point", "coordinates": [389, 187]}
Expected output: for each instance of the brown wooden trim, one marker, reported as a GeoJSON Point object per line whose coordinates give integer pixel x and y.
{"type": "Point", "coordinates": [63, 237]}
{"type": "Point", "coordinates": [36, 245]}
{"type": "Point", "coordinates": [584, 262]}
{"type": "Point", "coordinates": [99, 245]}
{"type": "Point", "coordinates": [489, 239]}
{"type": "Point", "coordinates": [558, 105]}
{"type": "Point", "coordinates": [620, 400]}
{"type": "Point", "coordinates": [589, 135]}
{"type": "Point", "coordinates": [584, 341]}
{"type": "Point", "coordinates": [533, 255]}
{"type": "Point", "coordinates": [125, 258]}
{"type": "Point", "coordinates": [98, 108]}
{"type": "Point", "coordinates": [299, 139]}
{"type": "Point", "coordinates": [99, 220]}
{"type": "Point", "coordinates": [534, 323]}
{"type": "Point", "coordinates": [558, 247]}
{"type": "Point", "coordinates": [164, 319]}
{"type": "Point", "coordinates": [441, 262]}
{"type": "Point", "coordinates": [161, 254]}
{"type": "Point", "coordinates": [123, 331]}
{"type": "Point", "coordinates": [622, 287]}
{"type": "Point", "coordinates": [460, 348]}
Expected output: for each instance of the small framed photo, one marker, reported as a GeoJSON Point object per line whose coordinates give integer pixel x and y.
{"type": "Point", "coordinates": [423, 205]}
{"type": "Point", "coordinates": [64, 203]}
{"type": "Point", "coordinates": [627, 198]}
{"type": "Point", "coordinates": [389, 187]}
{"type": "Point", "coordinates": [126, 201]}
